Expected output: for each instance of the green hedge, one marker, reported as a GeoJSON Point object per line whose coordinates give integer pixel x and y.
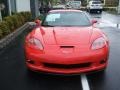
{"type": "Point", "coordinates": [11, 23]}
{"type": "Point", "coordinates": [110, 10]}
{"type": "Point", "coordinates": [4, 28]}
{"type": "Point", "coordinates": [1, 33]}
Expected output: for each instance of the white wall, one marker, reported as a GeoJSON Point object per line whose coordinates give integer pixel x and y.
{"type": "Point", "coordinates": [22, 5]}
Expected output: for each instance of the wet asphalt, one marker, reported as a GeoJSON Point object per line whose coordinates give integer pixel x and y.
{"type": "Point", "coordinates": [15, 76]}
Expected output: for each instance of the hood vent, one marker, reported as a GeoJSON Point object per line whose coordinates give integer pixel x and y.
{"type": "Point", "coordinates": [66, 46]}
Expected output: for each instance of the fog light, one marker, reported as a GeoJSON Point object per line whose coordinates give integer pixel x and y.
{"type": "Point", "coordinates": [102, 62]}
{"type": "Point", "coordinates": [30, 61]}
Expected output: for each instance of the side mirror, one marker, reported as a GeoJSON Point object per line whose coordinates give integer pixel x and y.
{"type": "Point", "coordinates": [38, 22]}
{"type": "Point", "coordinates": [94, 21]}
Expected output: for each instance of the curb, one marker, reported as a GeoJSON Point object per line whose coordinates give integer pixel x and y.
{"type": "Point", "coordinates": [9, 38]}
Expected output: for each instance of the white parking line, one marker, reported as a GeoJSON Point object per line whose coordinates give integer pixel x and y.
{"type": "Point", "coordinates": [84, 81]}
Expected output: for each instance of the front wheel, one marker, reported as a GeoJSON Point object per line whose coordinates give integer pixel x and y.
{"type": "Point", "coordinates": [103, 71]}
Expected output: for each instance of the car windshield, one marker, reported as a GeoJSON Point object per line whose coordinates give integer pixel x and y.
{"type": "Point", "coordinates": [66, 19]}
{"type": "Point", "coordinates": [96, 2]}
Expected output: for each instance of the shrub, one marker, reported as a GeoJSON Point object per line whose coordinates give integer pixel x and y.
{"type": "Point", "coordinates": [1, 34]}
{"type": "Point", "coordinates": [27, 16]}
{"type": "Point", "coordinates": [111, 10]}
{"type": "Point", "coordinates": [16, 22]}
{"type": "Point", "coordinates": [21, 18]}
{"type": "Point", "coordinates": [4, 28]}
{"type": "Point", "coordinates": [10, 23]}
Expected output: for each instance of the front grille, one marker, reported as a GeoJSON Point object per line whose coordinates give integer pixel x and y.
{"type": "Point", "coordinates": [70, 66]}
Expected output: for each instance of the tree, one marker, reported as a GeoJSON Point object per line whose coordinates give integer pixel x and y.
{"type": "Point", "coordinates": [111, 2]}
{"type": "Point", "coordinates": [1, 1]}
{"type": "Point", "coordinates": [51, 1]}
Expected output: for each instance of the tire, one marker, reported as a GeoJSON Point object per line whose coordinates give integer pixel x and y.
{"type": "Point", "coordinates": [100, 11]}
{"type": "Point", "coordinates": [29, 71]}
{"type": "Point", "coordinates": [102, 72]}
{"type": "Point", "coordinates": [87, 10]}
{"type": "Point", "coordinates": [90, 10]}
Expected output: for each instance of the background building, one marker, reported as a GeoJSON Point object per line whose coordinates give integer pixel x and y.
{"type": "Point", "coordinates": [13, 6]}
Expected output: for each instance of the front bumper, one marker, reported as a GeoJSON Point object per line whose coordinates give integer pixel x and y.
{"type": "Point", "coordinates": [99, 8]}
{"type": "Point", "coordinates": [67, 64]}
{"type": "Point", "coordinates": [69, 71]}
{"type": "Point", "coordinates": [96, 9]}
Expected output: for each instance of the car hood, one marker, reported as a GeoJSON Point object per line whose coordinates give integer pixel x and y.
{"type": "Point", "coordinates": [66, 35]}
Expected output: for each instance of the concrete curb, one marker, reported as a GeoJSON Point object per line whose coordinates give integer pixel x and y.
{"type": "Point", "coordinates": [9, 38]}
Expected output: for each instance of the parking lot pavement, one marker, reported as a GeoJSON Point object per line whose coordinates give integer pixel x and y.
{"type": "Point", "coordinates": [106, 20]}
{"type": "Point", "coordinates": [110, 80]}
{"type": "Point", "coordinates": [15, 76]}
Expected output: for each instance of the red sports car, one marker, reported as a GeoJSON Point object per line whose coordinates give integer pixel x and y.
{"type": "Point", "coordinates": [66, 42]}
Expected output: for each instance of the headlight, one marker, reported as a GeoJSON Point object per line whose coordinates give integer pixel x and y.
{"type": "Point", "coordinates": [98, 43]}
{"type": "Point", "coordinates": [34, 42]}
